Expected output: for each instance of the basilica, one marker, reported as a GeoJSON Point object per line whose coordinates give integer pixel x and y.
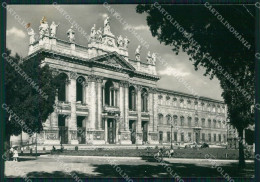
{"type": "Point", "coordinates": [108, 98]}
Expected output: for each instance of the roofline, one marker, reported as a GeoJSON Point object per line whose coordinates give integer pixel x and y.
{"type": "Point", "coordinates": [167, 91]}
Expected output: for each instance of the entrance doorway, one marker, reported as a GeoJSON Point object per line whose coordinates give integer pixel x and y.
{"type": "Point", "coordinates": [63, 129]}
{"type": "Point", "coordinates": [145, 130]}
{"type": "Point", "coordinates": [111, 129]}
{"type": "Point", "coordinates": [197, 136]}
{"type": "Point", "coordinates": [132, 128]}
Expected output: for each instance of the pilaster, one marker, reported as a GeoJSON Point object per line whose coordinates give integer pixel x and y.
{"type": "Point", "coordinates": [72, 122]}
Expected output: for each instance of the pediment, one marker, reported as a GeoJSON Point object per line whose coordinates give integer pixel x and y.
{"type": "Point", "coordinates": [113, 59]}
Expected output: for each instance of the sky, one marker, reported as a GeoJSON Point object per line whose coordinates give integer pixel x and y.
{"type": "Point", "coordinates": [86, 16]}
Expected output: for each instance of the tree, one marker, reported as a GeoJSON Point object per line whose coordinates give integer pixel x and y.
{"type": "Point", "coordinates": [205, 34]}
{"type": "Point", "coordinates": [29, 99]}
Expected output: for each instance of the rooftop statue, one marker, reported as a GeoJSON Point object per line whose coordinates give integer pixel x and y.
{"type": "Point", "coordinates": [71, 34]}
{"type": "Point", "coordinates": [154, 55]}
{"type": "Point", "coordinates": [53, 29]}
{"type": "Point", "coordinates": [120, 41]}
{"type": "Point", "coordinates": [107, 24]}
{"type": "Point", "coordinates": [99, 35]}
{"type": "Point", "coordinates": [149, 57]}
{"type": "Point", "coordinates": [137, 53]}
{"type": "Point", "coordinates": [93, 32]}
{"type": "Point", "coordinates": [31, 33]}
{"type": "Point", "coordinates": [43, 28]}
{"type": "Point", "coordinates": [126, 42]}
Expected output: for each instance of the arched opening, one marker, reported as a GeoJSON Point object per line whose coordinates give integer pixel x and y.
{"type": "Point", "coordinates": [132, 98]}
{"type": "Point", "coordinates": [160, 117]}
{"type": "Point", "coordinates": [62, 89]}
{"type": "Point", "coordinates": [110, 94]}
{"type": "Point", "coordinates": [80, 90]}
{"type": "Point", "coordinates": [169, 119]}
{"type": "Point", "coordinates": [144, 100]}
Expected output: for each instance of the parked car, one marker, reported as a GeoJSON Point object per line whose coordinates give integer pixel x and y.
{"type": "Point", "coordinates": [204, 145]}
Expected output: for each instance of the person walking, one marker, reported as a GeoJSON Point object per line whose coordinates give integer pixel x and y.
{"type": "Point", "coordinates": [11, 153]}
{"type": "Point", "coordinates": [15, 155]}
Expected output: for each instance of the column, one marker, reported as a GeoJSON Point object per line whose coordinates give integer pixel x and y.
{"type": "Point", "coordinates": [126, 120]}
{"type": "Point", "coordinates": [139, 117]}
{"type": "Point", "coordinates": [110, 97]}
{"type": "Point", "coordinates": [105, 130]}
{"type": "Point", "coordinates": [72, 123]}
{"type": "Point", "coordinates": [121, 100]}
{"type": "Point", "coordinates": [99, 103]}
{"type": "Point", "coordinates": [92, 102]}
{"type": "Point", "coordinates": [103, 90]}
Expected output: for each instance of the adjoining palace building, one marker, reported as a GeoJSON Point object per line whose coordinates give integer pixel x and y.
{"type": "Point", "coordinates": [108, 98]}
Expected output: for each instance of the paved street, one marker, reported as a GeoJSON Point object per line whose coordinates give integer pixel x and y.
{"type": "Point", "coordinates": [93, 166]}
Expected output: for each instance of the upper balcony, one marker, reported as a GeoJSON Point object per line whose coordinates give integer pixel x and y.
{"type": "Point", "coordinates": [111, 109]}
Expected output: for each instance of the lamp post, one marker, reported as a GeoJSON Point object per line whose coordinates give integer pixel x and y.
{"type": "Point", "coordinates": [171, 136]}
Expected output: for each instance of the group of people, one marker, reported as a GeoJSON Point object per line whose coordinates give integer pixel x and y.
{"type": "Point", "coordinates": [13, 154]}
{"type": "Point", "coordinates": [169, 153]}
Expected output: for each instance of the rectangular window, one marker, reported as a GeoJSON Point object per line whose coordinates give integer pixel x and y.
{"type": "Point", "coordinates": [219, 137]}
{"type": "Point", "coordinates": [209, 123]}
{"type": "Point", "coordinates": [209, 137]}
{"type": "Point", "coordinates": [189, 135]}
{"type": "Point", "coordinates": [224, 138]}
{"type": "Point", "coordinates": [168, 136]}
{"type": "Point", "coordinates": [203, 137]}
{"type": "Point", "coordinates": [160, 136]}
{"type": "Point", "coordinates": [189, 121]}
{"type": "Point", "coordinates": [175, 136]}
{"type": "Point", "coordinates": [182, 137]}
{"type": "Point", "coordinates": [215, 137]}
{"type": "Point", "coordinates": [203, 122]}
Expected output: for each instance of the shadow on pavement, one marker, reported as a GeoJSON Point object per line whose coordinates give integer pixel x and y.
{"type": "Point", "coordinates": [155, 170]}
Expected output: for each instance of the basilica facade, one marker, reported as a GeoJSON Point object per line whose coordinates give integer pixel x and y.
{"type": "Point", "coordinates": [108, 98]}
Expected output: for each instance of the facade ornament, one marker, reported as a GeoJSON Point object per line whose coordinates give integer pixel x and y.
{"type": "Point", "coordinates": [153, 60]}
{"type": "Point", "coordinates": [93, 32]}
{"type": "Point", "coordinates": [149, 57]}
{"type": "Point", "coordinates": [126, 42]}
{"type": "Point", "coordinates": [123, 83]}
{"type": "Point", "coordinates": [44, 28]}
{"type": "Point", "coordinates": [107, 24]}
{"type": "Point", "coordinates": [137, 53]}
{"type": "Point", "coordinates": [53, 29]}
{"type": "Point", "coordinates": [99, 35]}
{"type": "Point", "coordinates": [31, 33]}
{"type": "Point", "coordinates": [120, 41]}
{"type": "Point", "coordinates": [71, 34]}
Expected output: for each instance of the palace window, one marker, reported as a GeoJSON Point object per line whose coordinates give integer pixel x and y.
{"type": "Point", "coordinates": [209, 137]}
{"type": "Point", "coordinates": [110, 94]}
{"type": "Point", "coordinates": [219, 124]}
{"type": "Point", "coordinates": [209, 108]}
{"type": "Point", "coordinates": [168, 136]}
{"type": "Point", "coordinates": [189, 136]}
{"type": "Point", "coordinates": [144, 100]}
{"type": "Point", "coordinates": [160, 116]}
{"type": "Point", "coordinates": [218, 108]}
{"type": "Point", "coordinates": [203, 137]}
{"type": "Point", "coordinates": [132, 98]}
{"type": "Point", "coordinates": [196, 121]}
{"type": "Point", "coordinates": [181, 103]}
{"type": "Point", "coordinates": [175, 102]}
{"type": "Point", "coordinates": [182, 121]}
{"type": "Point", "coordinates": [214, 123]}
{"type": "Point", "coordinates": [224, 138]}
{"type": "Point", "coordinates": [175, 136]}
{"type": "Point", "coordinates": [63, 87]}
{"type": "Point", "coordinates": [160, 136]}
{"type": "Point", "coordinates": [219, 137]}
{"type": "Point", "coordinates": [188, 104]}
{"type": "Point", "coordinates": [202, 106]}
{"type": "Point", "coordinates": [182, 137]}
{"type": "Point", "coordinates": [160, 98]}
{"type": "Point", "coordinates": [189, 121]}
{"type": "Point", "coordinates": [80, 89]}
{"type": "Point", "coordinates": [203, 122]}
{"type": "Point", "coordinates": [169, 119]}
{"type": "Point", "coordinates": [215, 137]}
{"type": "Point", "coordinates": [175, 119]}
{"type": "Point", "coordinates": [196, 105]}
{"type": "Point", "coordinates": [209, 123]}
{"type": "Point", "coordinates": [168, 101]}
